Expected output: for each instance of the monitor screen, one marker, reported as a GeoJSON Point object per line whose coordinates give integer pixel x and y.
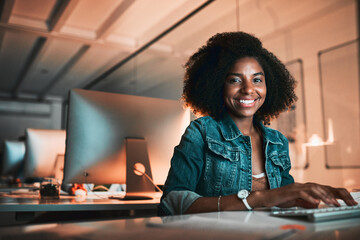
{"type": "Point", "coordinates": [12, 158]}
{"type": "Point", "coordinates": [45, 149]}
{"type": "Point", "coordinates": [106, 131]}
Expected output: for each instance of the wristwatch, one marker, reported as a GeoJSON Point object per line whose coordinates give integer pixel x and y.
{"type": "Point", "coordinates": [243, 194]}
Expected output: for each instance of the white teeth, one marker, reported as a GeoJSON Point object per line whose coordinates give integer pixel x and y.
{"type": "Point", "coordinates": [246, 101]}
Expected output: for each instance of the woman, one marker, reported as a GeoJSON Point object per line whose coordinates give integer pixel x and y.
{"type": "Point", "coordinates": [227, 159]}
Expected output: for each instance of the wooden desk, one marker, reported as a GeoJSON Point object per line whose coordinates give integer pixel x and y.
{"type": "Point", "coordinates": [225, 225]}
{"type": "Point", "coordinates": [23, 208]}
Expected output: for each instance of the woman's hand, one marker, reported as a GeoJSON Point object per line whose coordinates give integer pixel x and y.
{"type": "Point", "coordinates": [306, 195]}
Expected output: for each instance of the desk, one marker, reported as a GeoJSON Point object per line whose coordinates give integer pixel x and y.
{"type": "Point", "coordinates": [225, 225]}
{"type": "Point", "coordinates": [23, 208]}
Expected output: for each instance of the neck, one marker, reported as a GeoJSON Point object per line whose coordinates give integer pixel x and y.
{"type": "Point", "coordinates": [245, 125]}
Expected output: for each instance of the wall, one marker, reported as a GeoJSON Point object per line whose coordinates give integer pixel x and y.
{"type": "Point", "coordinates": [16, 116]}
{"type": "Point", "coordinates": [305, 41]}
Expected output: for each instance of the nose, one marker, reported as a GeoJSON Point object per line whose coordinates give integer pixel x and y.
{"type": "Point", "coordinates": [247, 87]}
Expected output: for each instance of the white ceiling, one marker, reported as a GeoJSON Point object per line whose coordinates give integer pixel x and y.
{"type": "Point", "coordinates": [50, 46]}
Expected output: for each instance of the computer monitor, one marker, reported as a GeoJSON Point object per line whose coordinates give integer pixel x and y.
{"type": "Point", "coordinates": [12, 158]}
{"type": "Point", "coordinates": [109, 134]}
{"type": "Point", "coordinates": [44, 154]}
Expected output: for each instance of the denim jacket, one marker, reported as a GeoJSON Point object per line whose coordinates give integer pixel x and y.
{"type": "Point", "coordinates": [214, 158]}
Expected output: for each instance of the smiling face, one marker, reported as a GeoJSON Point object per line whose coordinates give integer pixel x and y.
{"type": "Point", "coordinates": [244, 89]}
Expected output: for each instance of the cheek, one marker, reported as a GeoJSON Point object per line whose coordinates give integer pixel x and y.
{"type": "Point", "coordinates": [263, 99]}
{"type": "Point", "coordinates": [262, 91]}
{"type": "Point", "coordinates": [229, 91]}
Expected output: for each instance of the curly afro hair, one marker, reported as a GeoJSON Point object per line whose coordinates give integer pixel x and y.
{"type": "Point", "coordinates": [207, 68]}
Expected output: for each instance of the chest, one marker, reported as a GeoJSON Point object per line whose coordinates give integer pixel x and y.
{"type": "Point", "coordinates": [228, 166]}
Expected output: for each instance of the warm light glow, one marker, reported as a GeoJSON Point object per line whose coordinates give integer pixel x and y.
{"type": "Point", "coordinates": [316, 140]}
{"type": "Point", "coordinates": [330, 132]}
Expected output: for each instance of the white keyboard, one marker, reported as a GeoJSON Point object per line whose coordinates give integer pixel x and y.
{"type": "Point", "coordinates": [104, 194]}
{"type": "Point", "coordinates": [319, 214]}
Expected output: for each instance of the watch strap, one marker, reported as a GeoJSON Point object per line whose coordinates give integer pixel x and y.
{"type": "Point", "coordinates": [246, 204]}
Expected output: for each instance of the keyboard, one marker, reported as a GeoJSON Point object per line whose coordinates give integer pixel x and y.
{"type": "Point", "coordinates": [319, 214]}
{"type": "Point", "coordinates": [104, 194]}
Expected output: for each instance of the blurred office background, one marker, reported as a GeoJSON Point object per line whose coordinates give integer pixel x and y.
{"type": "Point", "coordinates": [138, 47]}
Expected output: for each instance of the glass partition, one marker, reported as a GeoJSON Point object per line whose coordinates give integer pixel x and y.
{"type": "Point", "coordinates": [293, 122]}
{"type": "Point", "coordinates": [339, 78]}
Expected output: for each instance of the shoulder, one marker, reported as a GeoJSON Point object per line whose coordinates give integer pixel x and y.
{"type": "Point", "coordinates": [199, 128]}
{"type": "Point", "coordinates": [195, 130]}
{"type": "Point", "coordinates": [203, 123]}
{"type": "Point", "coordinates": [204, 120]}
{"type": "Point", "coordinates": [195, 134]}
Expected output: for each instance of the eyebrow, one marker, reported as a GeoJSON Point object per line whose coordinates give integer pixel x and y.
{"type": "Point", "coordinates": [239, 74]}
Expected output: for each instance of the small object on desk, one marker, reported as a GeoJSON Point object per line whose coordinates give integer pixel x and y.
{"type": "Point", "coordinates": [49, 189]}
{"type": "Point", "coordinates": [293, 226]}
{"type": "Point", "coordinates": [76, 187]}
{"type": "Point", "coordinates": [80, 192]}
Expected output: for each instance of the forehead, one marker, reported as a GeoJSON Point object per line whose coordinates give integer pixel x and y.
{"type": "Point", "coordinates": [246, 64]}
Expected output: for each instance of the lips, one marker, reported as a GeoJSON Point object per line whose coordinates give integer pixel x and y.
{"type": "Point", "coordinates": [246, 102]}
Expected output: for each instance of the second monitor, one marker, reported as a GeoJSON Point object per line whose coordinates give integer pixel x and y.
{"type": "Point", "coordinates": [44, 154]}
{"type": "Point", "coordinates": [12, 159]}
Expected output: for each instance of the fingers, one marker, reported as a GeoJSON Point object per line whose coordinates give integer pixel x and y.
{"type": "Point", "coordinates": [289, 195]}
{"type": "Point", "coordinates": [332, 194]}
{"type": "Point", "coordinates": [309, 197]}
{"type": "Point", "coordinates": [310, 193]}
{"type": "Point", "coordinates": [327, 194]}
{"type": "Point", "coordinates": [343, 194]}
{"type": "Point", "coordinates": [320, 192]}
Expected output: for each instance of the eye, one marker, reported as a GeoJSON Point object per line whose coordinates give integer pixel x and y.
{"type": "Point", "coordinates": [257, 80]}
{"type": "Point", "coordinates": [234, 80]}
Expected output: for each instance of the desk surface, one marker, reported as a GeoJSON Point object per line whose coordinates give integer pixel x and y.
{"type": "Point", "coordinates": [24, 208]}
{"type": "Point", "coordinates": [23, 202]}
{"type": "Point", "coordinates": [224, 225]}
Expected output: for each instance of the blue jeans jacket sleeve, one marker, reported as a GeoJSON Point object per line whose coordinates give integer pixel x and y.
{"type": "Point", "coordinates": [186, 169]}
{"type": "Point", "coordinates": [286, 178]}
{"type": "Point", "coordinates": [177, 202]}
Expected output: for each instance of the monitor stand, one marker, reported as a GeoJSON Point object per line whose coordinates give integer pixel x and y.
{"type": "Point", "coordinates": [137, 167]}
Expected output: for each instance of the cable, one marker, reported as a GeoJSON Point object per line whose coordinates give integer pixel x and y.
{"type": "Point", "coordinates": [149, 178]}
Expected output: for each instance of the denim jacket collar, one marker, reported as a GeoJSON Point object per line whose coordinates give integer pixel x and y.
{"type": "Point", "coordinates": [228, 128]}
{"type": "Point", "coordinates": [230, 131]}
{"type": "Point", "coordinates": [270, 135]}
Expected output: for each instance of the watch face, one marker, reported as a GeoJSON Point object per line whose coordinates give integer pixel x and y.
{"type": "Point", "coordinates": [243, 194]}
